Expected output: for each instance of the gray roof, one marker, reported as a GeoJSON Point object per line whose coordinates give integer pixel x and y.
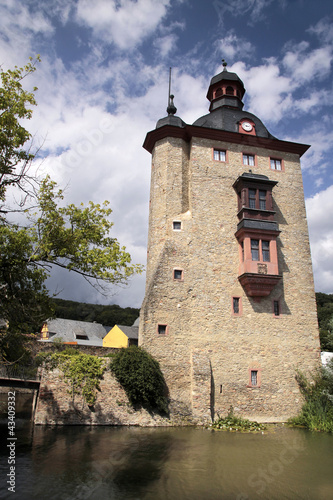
{"type": "Point", "coordinates": [68, 330]}
{"type": "Point", "coordinates": [175, 121]}
{"type": "Point", "coordinates": [226, 75]}
{"type": "Point", "coordinates": [131, 332]}
{"type": "Point", "coordinates": [224, 118]}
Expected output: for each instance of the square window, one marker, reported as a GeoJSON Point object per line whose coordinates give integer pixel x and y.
{"type": "Point", "coordinates": [248, 160]}
{"type": "Point", "coordinates": [178, 274]}
{"type": "Point", "coordinates": [220, 155]}
{"type": "Point", "coordinates": [254, 378]}
{"type": "Point", "coordinates": [176, 225]}
{"type": "Point", "coordinates": [162, 329]}
{"type": "Point", "coordinates": [276, 164]}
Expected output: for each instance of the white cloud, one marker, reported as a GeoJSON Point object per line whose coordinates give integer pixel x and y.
{"type": "Point", "coordinates": [232, 46]}
{"type": "Point", "coordinates": [319, 212]}
{"type": "Point", "coordinates": [18, 17]}
{"type": "Point", "coordinates": [317, 159]}
{"type": "Point", "coordinates": [306, 65]}
{"type": "Point", "coordinates": [125, 22]}
{"type": "Point", "coordinates": [165, 44]}
{"type": "Point", "coordinates": [275, 88]}
{"type": "Point", "coordinates": [323, 30]}
{"type": "Point", "coordinates": [268, 92]}
{"type": "Point", "coordinates": [18, 27]}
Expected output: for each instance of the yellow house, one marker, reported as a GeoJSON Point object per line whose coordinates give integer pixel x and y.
{"type": "Point", "coordinates": [44, 332]}
{"type": "Point", "coordinates": [122, 336]}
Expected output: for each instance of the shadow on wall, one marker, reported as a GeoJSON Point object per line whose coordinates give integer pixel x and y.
{"type": "Point", "coordinates": [49, 412]}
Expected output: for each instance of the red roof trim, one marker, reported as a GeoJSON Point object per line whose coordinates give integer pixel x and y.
{"type": "Point", "coordinates": [189, 131]}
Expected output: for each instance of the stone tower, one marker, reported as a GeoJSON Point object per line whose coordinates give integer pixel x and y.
{"type": "Point", "coordinates": [229, 309]}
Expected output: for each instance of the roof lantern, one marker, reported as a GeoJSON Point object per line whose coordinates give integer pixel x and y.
{"type": "Point", "coordinates": [225, 89]}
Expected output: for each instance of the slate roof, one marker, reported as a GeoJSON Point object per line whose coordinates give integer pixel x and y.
{"type": "Point", "coordinates": [226, 75]}
{"type": "Point", "coordinates": [224, 118]}
{"type": "Point", "coordinates": [131, 332]}
{"type": "Point", "coordinates": [67, 330]}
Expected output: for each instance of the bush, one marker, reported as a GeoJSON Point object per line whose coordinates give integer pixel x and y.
{"type": "Point", "coordinates": [141, 377]}
{"type": "Point", "coordinates": [317, 411]}
{"type": "Point", "coordinates": [233, 423]}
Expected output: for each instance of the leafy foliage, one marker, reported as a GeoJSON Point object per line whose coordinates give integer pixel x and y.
{"type": "Point", "coordinates": [141, 377]}
{"type": "Point", "coordinates": [15, 347]}
{"type": "Point", "coordinates": [15, 104]}
{"type": "Point", "coordinates": [82, 372]}
{"type": "Point", "coordinates": [233, 423]}
{"type": "Point", "coordinates": [77, 238]}
{"type": "Point", "coordinates": [325, 320]}
{"type": "Point", "coordinates": [108, 315]}
{"type": "Point", "coordinates": [317, 411]}
{"type": "Point", "coordinates": [23, 296]}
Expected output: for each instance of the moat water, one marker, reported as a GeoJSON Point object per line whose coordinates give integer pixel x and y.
{"type": "Point", "coordinates": [132, 463]}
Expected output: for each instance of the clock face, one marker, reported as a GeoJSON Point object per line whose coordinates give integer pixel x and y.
{"type": "Point", "coordinates": [247, 126]}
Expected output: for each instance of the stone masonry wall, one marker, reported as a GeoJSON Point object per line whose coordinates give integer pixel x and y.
{"type": "Point", "coordinates": [198, 309]}
{"type": "Point", "coordinates": [55, 406]}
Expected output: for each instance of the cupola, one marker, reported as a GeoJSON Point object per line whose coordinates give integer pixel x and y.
{"type": "Point", "coordinates": [225, 89]}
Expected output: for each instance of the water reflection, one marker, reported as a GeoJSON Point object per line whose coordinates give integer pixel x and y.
{"type": "Point", "coordinates": [170, 464]}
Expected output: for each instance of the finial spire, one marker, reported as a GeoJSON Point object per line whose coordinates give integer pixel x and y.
{"type": "Point", "coordinates": [224, 64]}
{"type": "Point", "coordinates": [171, 109]}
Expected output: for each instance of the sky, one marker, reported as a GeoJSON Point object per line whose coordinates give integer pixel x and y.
{"type": "Point", "coordinates": [103, 84]}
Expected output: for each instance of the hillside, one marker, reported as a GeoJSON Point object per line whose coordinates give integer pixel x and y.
{"type": "Point", "coordinates": [107, 315]}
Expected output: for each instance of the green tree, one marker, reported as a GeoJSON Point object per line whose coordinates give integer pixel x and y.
{"type": "Point", "coordinates": [15, 105]}
{"type": "Point", "coordinates": [317, 410]}
{"type": "Point", "coordinates": [54, 234]}
{"type": "Point", "coordinates": [328, 338]}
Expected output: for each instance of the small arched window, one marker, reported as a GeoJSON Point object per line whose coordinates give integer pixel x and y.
{"type": "Point", "coordinates": [218, 92]}
{"type": "Point", "coordinates": [230, 90]}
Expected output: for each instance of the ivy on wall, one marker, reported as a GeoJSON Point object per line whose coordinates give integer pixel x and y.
{"type": "Point", "coordinates": [82, 372]}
